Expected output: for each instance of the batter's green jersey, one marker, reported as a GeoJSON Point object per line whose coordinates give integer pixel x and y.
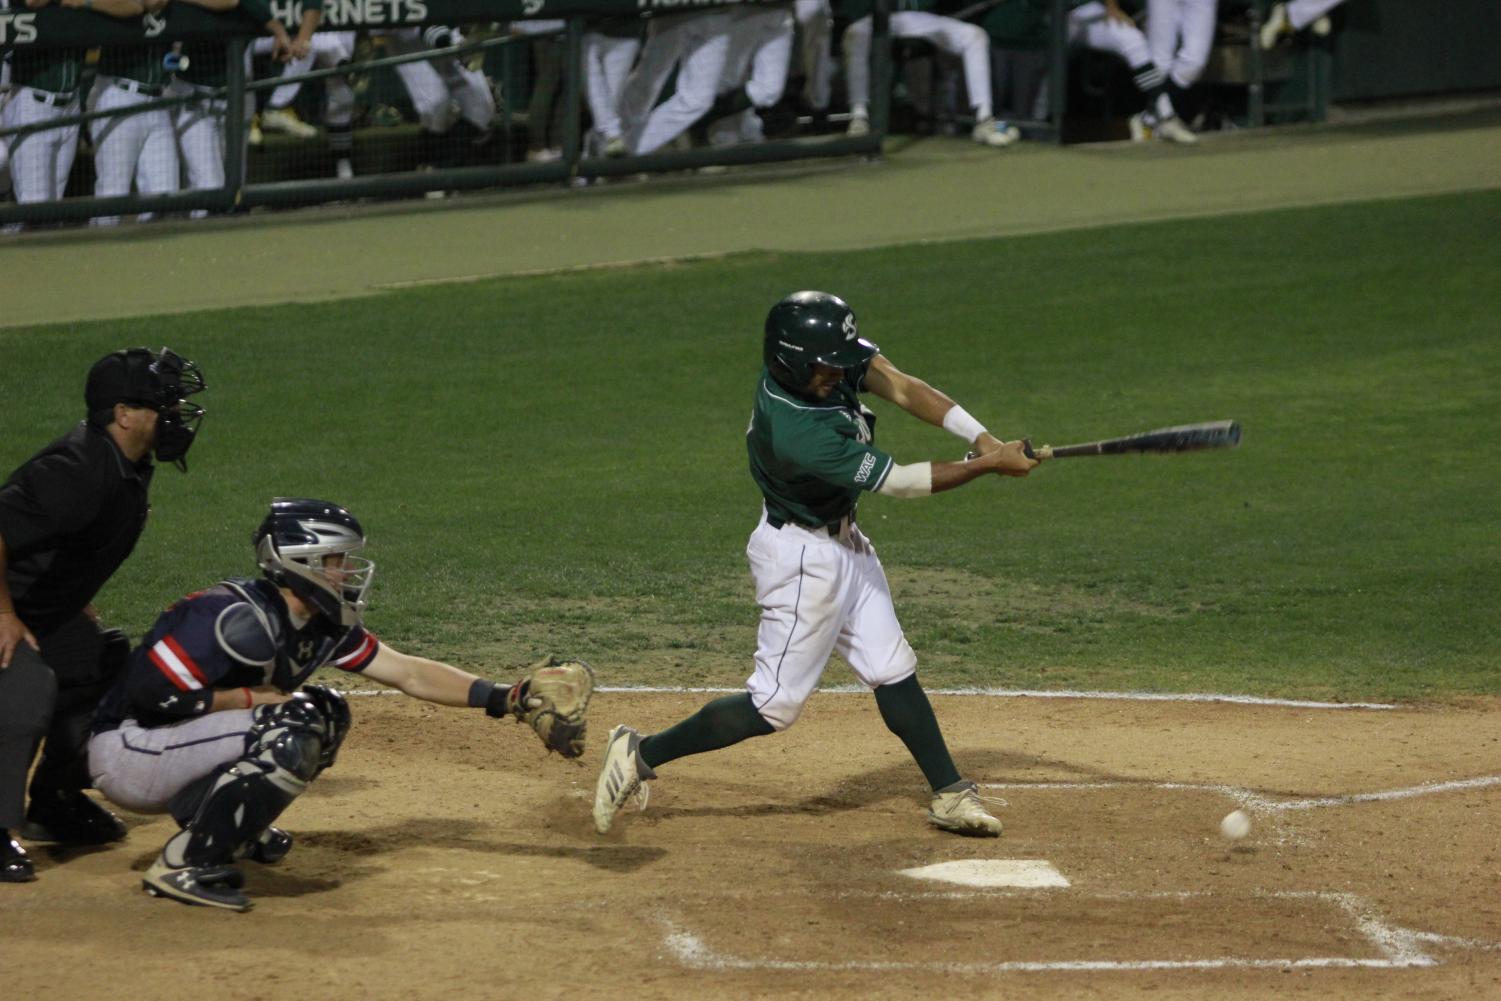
{"type": "Point", "coordinates": [812, 459]}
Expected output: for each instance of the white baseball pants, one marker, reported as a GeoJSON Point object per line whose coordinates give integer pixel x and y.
{"type": "Point", "coordinates": [437, 84]}
{"type": "Point", "coordinates": [607, 63]}
{"type": "Point", "coordinates": [819, 595]}
{"type": "Point", "coordinates": [958, 38]}
{"type": "Point", "coordinates": [1302, 13]}
{"type": "Point", "coordinates": [815, 25]}
{"type": "Point", "coordinates": [130, 147]}
{"type": "Point", "coordinates": [697, 44]}
{"type": "Point", "coordinates": [40, 162]}
{"type": "Point", "coordinates": [1090, 26]}
{"type": "Point", "coordinates": [1180, 34]}
{"type": "Point", "coordinates": [199, 127]}
{"type": "Point", "coordinates": [142, 769]}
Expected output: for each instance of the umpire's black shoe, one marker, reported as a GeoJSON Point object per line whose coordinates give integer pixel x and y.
{"type": "Point", "coordinates": [70, 818]}
{"type": "Point", "coordinates": [15, 866]}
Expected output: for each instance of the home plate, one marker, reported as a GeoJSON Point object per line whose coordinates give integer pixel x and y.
{"type": "Point", "coordinates": [1017, 872]}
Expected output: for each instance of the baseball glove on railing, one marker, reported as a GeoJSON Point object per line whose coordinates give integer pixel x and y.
{"type": "Point", "coordinates": [551, 698]}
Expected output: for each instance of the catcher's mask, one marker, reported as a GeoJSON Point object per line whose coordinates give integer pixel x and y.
{"type": "Point", "coordinates": [308, 547]}
{"type": "Point", "coordinates": [812, 328]}
{"type": "Point", "coordinates": [156, 380]}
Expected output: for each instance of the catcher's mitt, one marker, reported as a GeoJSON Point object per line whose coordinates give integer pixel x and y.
{"type": "Point", "coordinates": [551, 698]}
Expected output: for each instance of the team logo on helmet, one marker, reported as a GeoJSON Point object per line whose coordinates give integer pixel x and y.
{"type": "Point", "coordinates": [850, 330]}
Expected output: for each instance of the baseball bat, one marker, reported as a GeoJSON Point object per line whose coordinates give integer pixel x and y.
{"type": "Point", "coordinates": [1183, 438]}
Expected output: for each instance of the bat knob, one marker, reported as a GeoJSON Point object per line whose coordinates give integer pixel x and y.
{"type": "Point", "coordinates": [1027, 448]}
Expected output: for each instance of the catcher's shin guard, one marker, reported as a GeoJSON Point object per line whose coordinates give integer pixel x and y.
{"type": "Point", "coordinates": [286, 750]}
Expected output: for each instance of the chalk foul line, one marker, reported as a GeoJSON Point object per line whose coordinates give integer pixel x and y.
{"type": "Point", "coordinates": [1399, 948]}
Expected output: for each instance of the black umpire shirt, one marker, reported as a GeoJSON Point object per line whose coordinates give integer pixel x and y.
{"type": "Point", "coordinates": [70, 515]}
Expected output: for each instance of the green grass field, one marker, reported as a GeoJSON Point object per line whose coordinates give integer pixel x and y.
{"type": "Point", "coordinates": [556, 464]}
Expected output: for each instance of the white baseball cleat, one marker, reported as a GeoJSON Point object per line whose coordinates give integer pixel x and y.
{"type": "Point", "coordinates": [344, 170]}
{"type": "Point", "coordinates": [957, 808]}
{"type": "Point", "coordinates": [621, 777]}
{"type": "Point", "coordinates": [616, 147]}
{"type": "Point", "coordinates": [859, 126]}
{"type": "Point", "coordinates": [1173, 130]}
{"type": "Point", "coordinates": [1277, 24]}
{"type": "Point", "coordinates": [1141, 127]}
{"type": "Point", "coordinates": [990, 132]}
{"type": "Point", "coordinates": [286, 120]}
{"type": "Point", "coordinates": [209, 885]}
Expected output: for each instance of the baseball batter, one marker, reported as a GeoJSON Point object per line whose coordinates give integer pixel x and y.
{"type": "Point", "coordinates": [818, 580]}
{"type": "Point", "coordinates": [206, 722]}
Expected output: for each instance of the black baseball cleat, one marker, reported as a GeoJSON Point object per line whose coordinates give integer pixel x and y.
{"type": "Point", "coordinates": [15, 866]}
{"type": "Point", "coordinates": [271, 847]}
{"type": "Point", "coordinates": [68, 817]}
{"type": "Point", "coordinates": [204, 885]}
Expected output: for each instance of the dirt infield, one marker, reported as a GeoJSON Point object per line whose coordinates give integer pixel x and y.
{"type": "Point", "coordinates": [445, 856]}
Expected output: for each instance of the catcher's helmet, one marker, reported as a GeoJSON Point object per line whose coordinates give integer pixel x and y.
{"type": "Point", "coordinates": [293, 546]}
{"type": "Point", "coordinates": [156, 380]}
{"type": "Point", "coordinates": [812, 328]}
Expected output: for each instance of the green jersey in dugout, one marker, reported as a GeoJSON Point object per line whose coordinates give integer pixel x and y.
{"type": "Point", "coordinates": [812, 458]}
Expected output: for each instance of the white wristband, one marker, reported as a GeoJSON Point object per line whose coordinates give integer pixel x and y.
{"type": "Point", "coordinates": [958, 422]}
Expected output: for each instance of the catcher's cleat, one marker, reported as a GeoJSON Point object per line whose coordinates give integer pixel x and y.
{"type": "Point", "coordinates": [621, 777]}
{"type": "Point", "coordinates": [207, 885]}
{"type": "Point", "coordinates": [957, 808]}
{"type": "Point", "coordinates": [68, 817]}
{"type": "Point", "coordinates": [271, 847]}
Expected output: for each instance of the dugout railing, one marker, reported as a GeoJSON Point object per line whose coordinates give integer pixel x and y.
{"type": "Point", "coordinates": [240, 191]}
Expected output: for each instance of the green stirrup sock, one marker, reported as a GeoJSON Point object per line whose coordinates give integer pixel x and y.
{"type": "Point", "coordinates": [908, 714]}
{"type": "Point", "coordinates": [718, 724]}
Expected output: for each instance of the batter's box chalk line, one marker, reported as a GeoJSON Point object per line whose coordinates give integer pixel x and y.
{"type": "Point", "coordinates": [989, 693]}
{"type": "Point", "coordinates": [1399, 948]}
{"type": "Point", "coordinates": [1255, 802]}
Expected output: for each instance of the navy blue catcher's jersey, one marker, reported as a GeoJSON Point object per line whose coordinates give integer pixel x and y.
{"type": "Point", "coordinates": [188, 654]}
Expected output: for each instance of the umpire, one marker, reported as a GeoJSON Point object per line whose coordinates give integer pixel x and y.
{"type": "Point", "coordinates": [69, 516]}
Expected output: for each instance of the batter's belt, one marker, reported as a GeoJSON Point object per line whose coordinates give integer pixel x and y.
{"type": "Point", "coordinates": [837, 529]}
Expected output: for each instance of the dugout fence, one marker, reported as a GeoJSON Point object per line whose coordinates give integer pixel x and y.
{"type": "Point", "coordinates": [390, 151]}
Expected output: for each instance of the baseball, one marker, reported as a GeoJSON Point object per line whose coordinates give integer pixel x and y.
{"type": "Point", "coordinates": [1236, 825]}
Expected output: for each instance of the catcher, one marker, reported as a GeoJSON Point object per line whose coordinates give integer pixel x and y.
{"type": "Point", "coordinates": [207, 722]}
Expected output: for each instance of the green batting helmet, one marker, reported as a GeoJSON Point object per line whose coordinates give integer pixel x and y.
{"type": "Point", "coordinates": [812, 328]}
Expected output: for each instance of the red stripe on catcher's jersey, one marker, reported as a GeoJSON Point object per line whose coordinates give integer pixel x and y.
{"type": "Point", "coordinates": [166, 662]}
{"type": "Point", "coordinates": [187, 661]}
{"type": "Point", "coordinates": [360, 656]}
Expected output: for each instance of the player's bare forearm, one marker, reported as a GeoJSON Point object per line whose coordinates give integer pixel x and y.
{"type": "Point", "coordinates": [428, 680]}
{"type": "Point", "coordinates": [247, 698]}
{"type": "Point", "coordinates": [1010, 459]}
{"type": "Point", "coordinates": [907, 391]}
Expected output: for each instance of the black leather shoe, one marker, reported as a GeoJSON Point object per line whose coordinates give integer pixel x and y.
{"type": "Point", "coordinates": [70, 818]}
{"type": "Point", "coordinates": [15, 867]}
